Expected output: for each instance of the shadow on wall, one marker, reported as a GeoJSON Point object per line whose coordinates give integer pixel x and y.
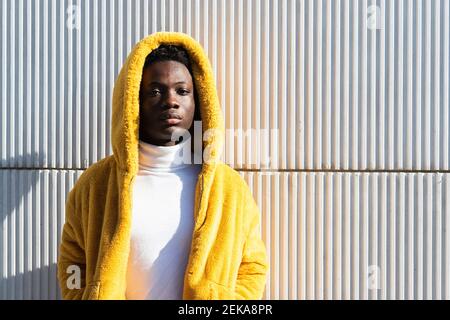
{"type": "Point", "coordinates": [29, 233]}
{"type": "Point", "coordinates": [36, 284]}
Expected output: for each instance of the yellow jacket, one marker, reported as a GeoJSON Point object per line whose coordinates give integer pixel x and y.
{"type": "Point", "coordinates": [227, 258]}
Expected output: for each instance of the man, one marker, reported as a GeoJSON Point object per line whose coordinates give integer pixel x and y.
{"type": "Point", "coordinates": [141, 223]}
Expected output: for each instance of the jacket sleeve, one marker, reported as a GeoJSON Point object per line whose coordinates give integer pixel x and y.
{"type": "Point", "coordinates": [71, 257]}
{"type": "Point", "coordinates": [251, 279]}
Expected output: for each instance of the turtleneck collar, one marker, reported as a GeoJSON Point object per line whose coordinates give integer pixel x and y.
{"type": "Point", "coordinates": [165, 158]}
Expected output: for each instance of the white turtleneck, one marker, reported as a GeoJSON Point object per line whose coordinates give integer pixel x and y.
{"type": "Point", "coordinates": [162, 221]}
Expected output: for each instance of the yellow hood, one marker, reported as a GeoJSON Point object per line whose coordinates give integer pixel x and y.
{"type": "Point", "coordinates": [125, 116]}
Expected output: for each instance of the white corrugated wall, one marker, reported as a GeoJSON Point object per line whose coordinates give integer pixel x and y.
{"type": "Point", "coordinates": [343, 111]}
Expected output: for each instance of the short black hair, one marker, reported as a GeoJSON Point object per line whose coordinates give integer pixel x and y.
{"type": "Point", "coordinates": [170, 52]}
{"type": "Point", "coordinates": [166, 52]}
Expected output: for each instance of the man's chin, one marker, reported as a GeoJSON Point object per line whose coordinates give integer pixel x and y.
{"type": "Point", "coordinates": [173, 133]}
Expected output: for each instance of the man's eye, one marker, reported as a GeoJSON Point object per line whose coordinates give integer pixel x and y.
{"type": "Point", "coordinates": [183, 92]}
{"type": "Point", "coordinates": [154, 92]}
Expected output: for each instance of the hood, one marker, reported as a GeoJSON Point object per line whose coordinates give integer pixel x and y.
{"type": "Point", "coordinates": [125, 113]}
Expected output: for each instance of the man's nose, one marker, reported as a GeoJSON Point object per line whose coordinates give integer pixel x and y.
{"type": "Point", "coordinates": [171, 100]}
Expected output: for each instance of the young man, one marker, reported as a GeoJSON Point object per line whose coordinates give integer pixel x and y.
{"type": "Point", "coordinates": [144, 223]}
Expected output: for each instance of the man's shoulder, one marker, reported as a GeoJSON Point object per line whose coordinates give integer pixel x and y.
{"type": "Point", "coordinates": [235, 185]}
{"type": "Point", "coordinates": [232, 176]}
{"type": "Point", "coordinates": [96, 173]}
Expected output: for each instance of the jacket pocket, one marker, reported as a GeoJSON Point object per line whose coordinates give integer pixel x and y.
{"type": "Point", "coordinates": [92, 291]}
{"type": "Point", "coordinates": [220, 292]}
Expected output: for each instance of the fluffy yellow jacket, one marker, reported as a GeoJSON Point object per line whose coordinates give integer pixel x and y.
{"type": "Point", "coordinates": [227, 258]}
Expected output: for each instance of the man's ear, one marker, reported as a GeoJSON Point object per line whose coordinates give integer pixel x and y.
{"type": "Point", "coordinates": [197, 113]}
{"type": "Point", "coordinates": [140, 95]}
{"type": "Point", "coordinates": [197, 116]}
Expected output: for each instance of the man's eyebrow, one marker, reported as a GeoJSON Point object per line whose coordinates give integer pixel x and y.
{"type": "Point", "coordinates": [162, 84]}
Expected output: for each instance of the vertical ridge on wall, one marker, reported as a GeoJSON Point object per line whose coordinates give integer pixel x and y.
{"type": "Point", "coordinates": [409, 84]}
{"type": "Point", "coordinates": [85, 82]}
{"type": "Point", "coordinates": [3, 84]}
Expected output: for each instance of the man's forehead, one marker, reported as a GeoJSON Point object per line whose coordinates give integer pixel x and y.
{"type": "Point", "coordinates": [163, 74]}
{"type": "Point", "coordinates": [167, 67]}
{"type": "Point", "coordinates": [156, 83]}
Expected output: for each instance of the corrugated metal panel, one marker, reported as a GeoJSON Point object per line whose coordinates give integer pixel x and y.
{"type": "Point", "coordinates": [320, 85]}
{"type": "Point", "coordinates": [355, 235]}
{"type": "Point", "coordinates": [393, 223]}
{"type": "Point", "coordinates": [327, 89]}
{"type": "Point", "coordinates": [32, 215]}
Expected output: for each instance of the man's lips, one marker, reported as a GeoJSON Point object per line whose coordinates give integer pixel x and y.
{"type": "Point", "coordinates": [172, 121]}
{"type": "Point", "coordinates": [170, 118]}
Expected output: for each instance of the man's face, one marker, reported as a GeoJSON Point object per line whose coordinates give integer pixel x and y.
{"type": "Point", "coordinates": [167, 102]}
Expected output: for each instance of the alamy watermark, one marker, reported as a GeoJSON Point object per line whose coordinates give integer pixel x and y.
{"type": "Point", "coordinates": [262, 143]}
{"type": "Point", "coordinates": [73, 20]}
{"type": "Point", "coordinates": [373, 20]}
{"type": "Point", "coordinates": [74, 280]}
{"type": "Point", "coordinates": [373, 277]}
